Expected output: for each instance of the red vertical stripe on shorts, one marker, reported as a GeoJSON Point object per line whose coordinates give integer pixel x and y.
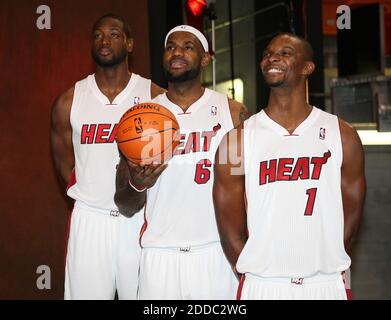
{"type": "Point", "coordinates": [145, 224]}
{"type": "Point", "coordinates": [241, 283]}
{"type": "Point", "coordinates": [349, 294]}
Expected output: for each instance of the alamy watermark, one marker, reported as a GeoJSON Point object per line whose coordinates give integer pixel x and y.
{"type": "Point", "coordinates": [344, 20]}
{"type": "Point", "coordinates": [44, 280]}
{"type": "Point", "coordinates": [45, 18]}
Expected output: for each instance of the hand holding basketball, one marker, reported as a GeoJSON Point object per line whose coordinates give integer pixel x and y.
{"type": "Point", "coordinates": [145, 176]}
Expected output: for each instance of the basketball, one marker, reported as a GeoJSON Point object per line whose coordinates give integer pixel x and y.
{"type": "Point", "coordinates": [147, 133]}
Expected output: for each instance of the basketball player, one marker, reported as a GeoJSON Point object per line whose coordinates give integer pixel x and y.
{"type": "Point", "coordinates": [303, 180]}
{"type": "Point", "coordinates": [182, 257]}
{"type": "Point", "coordinates": [103, 250]}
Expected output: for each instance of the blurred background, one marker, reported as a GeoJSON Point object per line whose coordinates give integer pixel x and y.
{"type": "Point", "coordinates": [352, 43]}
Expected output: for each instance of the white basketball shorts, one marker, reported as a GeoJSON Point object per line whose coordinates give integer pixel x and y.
{"type": "Point", "coordinates": [318, 287]}
{"type": "Point", "coordinates": [191, 273]}
{"type": "Point", "coordinates": [103, 254]}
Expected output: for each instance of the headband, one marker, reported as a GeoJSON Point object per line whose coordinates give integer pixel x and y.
{"type": "Point", "coordinates": [185, 28]}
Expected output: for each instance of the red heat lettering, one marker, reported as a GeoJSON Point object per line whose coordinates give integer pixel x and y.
{"type": "Point", "coordinates": [318, 162]}
{"type": "Point", "coordinates": [113, 134]}
{"type": "Point", "coordinates": [283, 168]}
{"type": "Point", "coordinates": [102, 133]}
{"type": "Point", "coordinates": [301, 170]}
{"type": "Point", "coordinates": [193, 143]}
{"type": "Point", "coordinates": [178, 150]}
{"type": "Point", "coordinates": [266, 172]}
{"type": "Point", "coordinates": [88, 133]}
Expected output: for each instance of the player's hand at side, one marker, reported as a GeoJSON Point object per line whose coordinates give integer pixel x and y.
{"type": "Point", "coordinates": [145, 176]}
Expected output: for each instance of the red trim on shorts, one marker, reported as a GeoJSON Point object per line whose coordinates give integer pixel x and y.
{"type": "Point", "coordinates": [67, 238]}
{"type": "Point", "coordinates": [349, 294]}
{"type": "Point", "coordinates": [145, 224]}
{"type": "Point", "coordinates": [72, 179]}
{"type": "Point", "coordinates": [240, 287]}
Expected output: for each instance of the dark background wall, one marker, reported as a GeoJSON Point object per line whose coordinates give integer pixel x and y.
{"type": "Point", "coordinates": [36, 65]}
{"type": "Point", "coordinates": [371, 257]}
{"type": "Point", "coordinates": [164, 15]}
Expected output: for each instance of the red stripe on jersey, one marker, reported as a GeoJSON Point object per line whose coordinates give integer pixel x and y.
{"type": "Point", "coordinates": [72, 179]}
{"type": "Point", "coordinates": [240, 288]}
{"type": "Point", "coordinates": [67, 238]}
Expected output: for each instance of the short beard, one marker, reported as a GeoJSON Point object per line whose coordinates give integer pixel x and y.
{"type": "Point", "coordinates": [186, 76]}
{"type": "Point", "coordinates": [114, 61]}
{"type": "Point", "coordinates": [274, 84]}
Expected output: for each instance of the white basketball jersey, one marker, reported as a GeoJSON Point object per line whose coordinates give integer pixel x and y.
{"type": "Point", "coordinates": [293, 186]}
{"type": "Point", "coordinates": [179, 208]}
{"type": "Point", "coordinates": [94, 124]}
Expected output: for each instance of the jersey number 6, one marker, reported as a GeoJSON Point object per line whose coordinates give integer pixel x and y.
{"type": "Point", "coordinates": [202, 173]}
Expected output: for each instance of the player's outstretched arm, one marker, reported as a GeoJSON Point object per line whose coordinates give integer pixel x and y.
{"type": "Point", "coordinates": [353, 182]}
{"type": "Point", "coordinates": [229, 195]}
{"type": "Point", "coordinates": [61, 136]}
{"type": "Point", "coordinates": [132, 182]}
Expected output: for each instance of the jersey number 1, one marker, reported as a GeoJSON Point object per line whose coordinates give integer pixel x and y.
{"type": "Point", "coordinates": [311, 193]}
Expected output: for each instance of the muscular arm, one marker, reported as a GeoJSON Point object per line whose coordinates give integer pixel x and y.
{"type": "Point", "coordinates": [228, 196]}
{"type": "Point", "coordinates": [353, 183]}
{"type": "Point", "coordinates": [61, 136]}
{"type": "Point", "coordinates": [239, 112]}
{"type": "Point", "coordinates": [156, 90]}
{"type": "Point", "coordinates": [128, 200]}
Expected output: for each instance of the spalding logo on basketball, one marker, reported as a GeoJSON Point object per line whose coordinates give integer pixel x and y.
{"type": "Point", "coordinates": [148, 132]}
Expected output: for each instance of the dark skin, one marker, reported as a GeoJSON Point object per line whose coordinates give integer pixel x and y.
{"type": "Point", "coordinates": [183, 54]}
{"type": "Point", "coordinates": [108, 42]}
{"type": "Point", "coordinates": [285, 67]}
{"type": "Point", "coordinates": [229, 196]}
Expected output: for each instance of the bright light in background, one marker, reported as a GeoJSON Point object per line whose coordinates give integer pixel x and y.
{"type": "Point", "coordinates": [225, 88]}
{"type": "Point", "coordinates": [197, 6]}
{"type": "Point", "coordinates": [374, 138]}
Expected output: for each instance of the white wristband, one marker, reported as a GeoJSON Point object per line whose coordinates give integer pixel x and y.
{"type": "Point", "coordinates": [135, 188]}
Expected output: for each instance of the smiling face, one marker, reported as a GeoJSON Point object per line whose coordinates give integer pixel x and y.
{"type": "Point", "coordinates": [285, 62]}
{"type": "Point", "coordinates": [183, 57]}
{"type": "Point", "coordinates": [110, 45]}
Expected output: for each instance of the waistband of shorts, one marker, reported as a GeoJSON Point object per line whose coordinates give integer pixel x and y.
{"type": "Point", "coordinates": [317, 278]}
{"type": "Point", "coordinates": [185, 249]}
{"type": "Point", "coordinates": [82, 205]}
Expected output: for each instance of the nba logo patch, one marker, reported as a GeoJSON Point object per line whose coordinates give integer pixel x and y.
{"type": "Point", "coordinates": [322, 133]}
{"type": "Point", "coordinates": [138, 125]}
{"type": "Point", "coordinates": [136, 100]}
{"type": "Point", "coordinates": [213, 111]}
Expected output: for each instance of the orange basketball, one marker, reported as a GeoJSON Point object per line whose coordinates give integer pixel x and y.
{"type": "Point", "coordinates": [147, 133]}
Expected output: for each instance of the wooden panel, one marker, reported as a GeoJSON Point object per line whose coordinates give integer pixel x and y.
{"type": "Point", "coordinates": [36, 65]}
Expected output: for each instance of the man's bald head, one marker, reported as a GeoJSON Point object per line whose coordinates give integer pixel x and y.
{"type": "Point", "coordinates": [125, 26]}
{"type": "Point", "coordinates": [308, 51]}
